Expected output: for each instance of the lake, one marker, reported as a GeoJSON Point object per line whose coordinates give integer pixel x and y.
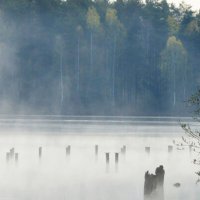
{"type": "Point", "coordinates": [82, 175]}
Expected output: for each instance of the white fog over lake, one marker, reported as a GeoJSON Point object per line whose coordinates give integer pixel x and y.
{"type": "Point", "coordinates": [82, 175]}
{"type": "Point", "coordinates": [99, 100]}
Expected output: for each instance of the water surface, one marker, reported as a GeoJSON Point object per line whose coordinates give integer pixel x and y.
{"type": "Point", "coordinates": [82, 175]}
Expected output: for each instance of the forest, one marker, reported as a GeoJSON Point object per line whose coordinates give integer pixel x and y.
{"type": "Point", "coordinates": [98, 57]}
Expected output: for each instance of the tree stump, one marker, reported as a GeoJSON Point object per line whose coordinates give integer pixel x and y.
{"type": "Point", "coordinates": [147, 150]}
{"type": "Point", "coordinates": [96, 150]}
{"type": "Point", "coordinates": [170, 148]}
{"type": "Point", "coordinates": [153, 186]}
{"type": "Point", "coordinates": [68, 150]}
{"type": "Point", "coordinates": [40, 152]}
{"type": "Point", "coordinates": [107, 158]}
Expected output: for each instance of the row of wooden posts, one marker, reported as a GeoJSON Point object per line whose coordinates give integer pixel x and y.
{"type": "Point", "coordinates": [148, 149]}
{"type": "Point", "coordinates": [14, 155]}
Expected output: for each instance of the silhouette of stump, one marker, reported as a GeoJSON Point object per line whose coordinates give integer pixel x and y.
{"type": "Point", "coordinates": [147, 150]}
{"type": "Point", "coordinates": [107, 158]}
{"type": "Point", "coordinates": [170, 148]}
{"type": "Point", "coordinates": [40, 152]}
{"type": "Point", "coordinates": [96, 150]}
{"type": "Point", "coordinates": [153, 185]}
{"type": "Point", "coordinates": [68, 150]}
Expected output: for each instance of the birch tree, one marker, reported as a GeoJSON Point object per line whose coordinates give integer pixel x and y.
{"type": "Point", "coordinates": [59, 49]}
{"type": "Point", "coordinates": [79, 31]}
{"type": "Point", "coordinates": [93, 22]}
{"type": "Point", "coordinates": [173, 64]}
{"type": "Point", "coordinates": [114, 28]}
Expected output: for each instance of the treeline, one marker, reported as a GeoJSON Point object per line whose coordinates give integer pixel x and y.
{"type": "Point", "coordinates": [97, 57]}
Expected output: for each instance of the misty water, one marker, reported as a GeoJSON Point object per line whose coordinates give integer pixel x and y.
{"type": "Point", "coordinates": [82, 175]}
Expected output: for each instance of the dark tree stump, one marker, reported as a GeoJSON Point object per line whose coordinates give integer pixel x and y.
{"type": "Point", "coordinates": [170, 148]}
{"type": "Point", "coordinates": [40, 152]}
{"type": "Point", "coordinates": [153, 185]}
{"type": "Point", "coordinates": [68, 150]}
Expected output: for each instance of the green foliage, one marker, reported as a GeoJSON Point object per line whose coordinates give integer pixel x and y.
{"type": "Point", "coordinates": [174, 55]}
{"type": "Point", "coordinates": [194, 101]}
{"type": "Point", "coordinates": [192, 28]}
{"type": "Point", "coordinates": [173, 25]}
{"type": "Point", "coordinates": [174, 68]}
{"type": "Point", "coordinates": [93, 19]}
{"type": "Point", "coordinates": [112, 21]}
{"type": "Point", "coordinates": [114, 57]}
{"type": "Point", "coordinates": [111, 17]}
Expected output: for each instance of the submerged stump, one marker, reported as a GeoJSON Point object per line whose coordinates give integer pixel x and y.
{"type": "Point", "coordinates": [12, 152]}
{"type": "Point", "coordinates": [16, 157]}
{"type": "Point", "coordinates": [7, 156]}
{"type": "Point", "coordinates": [116, 158]}
{"type": "Point", "coordinates": [153, 186]}
{"type": "Point", "coordinates": [147, 150]}
{"type": "Point", "coordinates": [96, 150]}
{"type": "Point", "coordinates": [107, 158]}
{"type": "Point", "coordinates": [170, 148]}
{"type": "Point", "coordinates": [68, 150]}
{"type": "Point", "coordinates": [123, 150]}
{"type": "Point", "coordinates": [40, 152]}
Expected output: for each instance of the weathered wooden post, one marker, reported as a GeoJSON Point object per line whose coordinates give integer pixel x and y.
{"type": "Point", "coordinates": [16, 157]}
{"type": "Point", "coordinates": [107, 162]}
{"type": "Point", "coordinates": [170, 149]}
{"type": "Point", "coordinates": [116, 161]}
{"type": "Point", "coordinates": [96, 150]}
{"type": "Point", "coordinates": [123, 150]}
{"type": "Point", "coordinates": [68, 150]}
{"type": "Point", "coordinates": [40, 152]}
{"type": "Point", "coordinates": [153, 186]}
{"type": "Point", "coordinates": [12, 152]}
{"type": "Point", "coordinates": [147, 150]}
{"type": "Point", "coordinates": [107, 158]}
{"type": "Point", "coordinates": [7, 156]}
{"type": "Point", "coordinates": [116, 158]}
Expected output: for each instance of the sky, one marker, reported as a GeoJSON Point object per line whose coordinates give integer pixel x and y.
{"type": "Point", "coordinates": [194, 3]}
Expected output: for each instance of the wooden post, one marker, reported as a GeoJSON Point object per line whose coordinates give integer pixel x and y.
{"type": "Point", "coordinates": [40, 152]}
{"type": "Point", "coordinates": [96, 150]}
{"type": "Point", "coordinates": [68, 150]}
{"type": "Point", "coordinates": [147, 150]}
{"type": "Point", "coordinates": [7, 156]}
{"type": "Point", "coordinates": [12, 152]}
{"type": "Point", "coordinates": [107, 162]}
{"type": "Point", "coordinates": [116, 161]}
{"type": "Point", "coordinates": [107, 158]}
{"type": "Point", "coordinates": [170, 148]}
{"type": "Point", "coordinates": [123, 150]}
{"type": "Point", "coordinates": [16, 157]}
{"type": "Point", "coordinates": [116, 158]}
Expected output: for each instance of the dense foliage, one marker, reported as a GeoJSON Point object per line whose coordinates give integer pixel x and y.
{"type": "Point", "coordinates": [97, 57]}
